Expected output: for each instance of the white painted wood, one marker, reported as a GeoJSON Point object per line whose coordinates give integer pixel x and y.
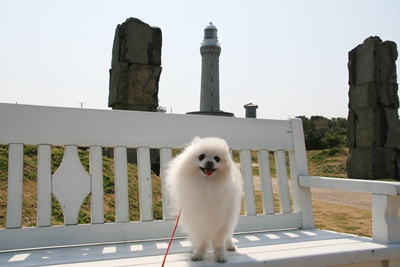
{"type": "Point", "coordinates": [298, 166]}
{"type": "Point", "coordinates": [282, 179]}
{"type": "Point", "coordinates": [356, 185]}
{"type": "Point", "coordinates": [145, 188]}
{"type": "Point", "coordinates": [385, 220]}
{"type": "Point", "coordinates": [14, 188]}
{"type": "Point", "coordinates": [96, 175]}
{"type": "Point", "coordinates": [121, 185]}
{"type": "Point", "coordinates": [165, 157]}
{"type": "Point", "coordinates": [266, 182]}
{"type": "Point", "coordinates": [281, 248]}
{"type": "Point", "coordinates": [130, 231]}
{"type": "Point", "coordinates": [27, 124]}
{"type": "Point", "coordinates": [248, 182]}
{"type": "Point", "coordinates": [84, 234]}
{"type": "Point", "coordinates": [262, 222]}
{"type": "Point", "coordinates": [261, 242]}
{"type": "Point", "coordinates": [44, 186]}
{"type": "Point", "coordinates": [71, 185]}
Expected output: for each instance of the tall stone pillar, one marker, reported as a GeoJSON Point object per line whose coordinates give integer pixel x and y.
{"type": "Point", "coordinates": [135, 66]}
{"type": "Point", "coordinates": [135, 73]}
{"type": "Point", "coordinates": [373, 134]}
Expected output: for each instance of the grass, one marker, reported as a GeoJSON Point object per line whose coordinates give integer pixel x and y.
{"type": "Point", "coordinates": [328, 163]}
{"type": "Point", "coordinates": [29, 204]}
{"type": "Point", "coordinates": [341, 218]}
{"type": "Point", "coordinates": [323, 163]}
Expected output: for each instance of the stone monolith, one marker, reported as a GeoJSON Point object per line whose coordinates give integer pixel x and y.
{"type": "Point", "coordinates": [373, 134]}
{"type": "Point", "coordinates": [135, 66]}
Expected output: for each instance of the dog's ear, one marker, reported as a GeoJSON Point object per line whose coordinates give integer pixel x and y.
{"type": "Point", "coordinates": [225, 144]}
{"type": "Point", "coordinates": [195, 140]}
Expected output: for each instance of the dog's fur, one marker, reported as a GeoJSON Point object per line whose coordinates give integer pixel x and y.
{"type": "Point", "coordinates": [206, 185]}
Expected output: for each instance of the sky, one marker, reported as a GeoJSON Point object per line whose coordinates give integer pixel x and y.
{"type": "Point", "coordinates": [288, 57]}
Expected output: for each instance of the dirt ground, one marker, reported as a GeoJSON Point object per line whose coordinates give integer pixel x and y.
{"type": "Point", "coordinates": [356, 199]}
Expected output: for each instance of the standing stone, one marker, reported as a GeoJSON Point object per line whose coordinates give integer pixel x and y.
{"type": "Point", "coordinates": [135, 73]}
{"type": "Point", "coordinates": [135, 66]}
{"type": "Point", "coordinates": [373, 134]}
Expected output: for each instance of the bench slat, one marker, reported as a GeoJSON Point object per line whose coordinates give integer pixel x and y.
{"type": "Point", "coordinates": [14, 191]}
{"type": "Point", "coordinates": [44, 186]}
{"type": "Point", "coordinates": [34, 237]}
{"type": "Point", "coordinates": [283, 184]}
{"type": "Point", "coordinates": [96, 174]}
{"type": "Point", "coordinates": [121, 185]}
{"type": "Point", "coordinates": [261, 222]}
{"type": "Point", "coordinates": [266, 182]}
{"type": "Point", "coordinates": [248, 182]}
{"type": "Point", "coordinates": [70, 185]}
{"type": "Point", "coordinates": [165, 157]}
{"type": "Point", "coordinates": [145, 189]}
{"type": "Point", "coordinates": [27, 123]}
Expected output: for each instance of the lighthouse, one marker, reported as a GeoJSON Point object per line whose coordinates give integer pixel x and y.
{"type": "Point", "coordinates": [210, 51]}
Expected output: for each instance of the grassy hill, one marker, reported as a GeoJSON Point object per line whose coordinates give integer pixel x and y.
{"type": "Point", "coordinates": [331, 162]}
{"type": "Point", "coordinates": [30, 188]}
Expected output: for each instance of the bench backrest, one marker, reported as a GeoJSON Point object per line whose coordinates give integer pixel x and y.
{"type": "Point", "coordinates": [71, 128]}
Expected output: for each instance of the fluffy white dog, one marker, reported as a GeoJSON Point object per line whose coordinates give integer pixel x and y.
{"type": "Point", "coordinates": [206, 186]}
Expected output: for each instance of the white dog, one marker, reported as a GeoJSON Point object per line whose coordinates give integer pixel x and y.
{"type": "Point", "coordinates": [206, 186]}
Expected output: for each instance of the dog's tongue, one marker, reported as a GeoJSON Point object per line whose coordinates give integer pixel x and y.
{"type": "Point", "coordinates": [209, 172]}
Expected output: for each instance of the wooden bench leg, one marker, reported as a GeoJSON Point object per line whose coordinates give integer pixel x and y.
{"type": "Point", "coordinates": [385, 220]}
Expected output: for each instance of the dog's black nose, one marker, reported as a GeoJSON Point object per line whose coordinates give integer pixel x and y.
{"type": "Point", "coordinates": [209, 165]}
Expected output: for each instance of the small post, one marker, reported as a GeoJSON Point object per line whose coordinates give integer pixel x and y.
{"type": "Point", "coordinates": [251, 110]}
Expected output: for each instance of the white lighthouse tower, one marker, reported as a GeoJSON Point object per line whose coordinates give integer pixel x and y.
{"type": "Point", "coordinates": [210, 50]}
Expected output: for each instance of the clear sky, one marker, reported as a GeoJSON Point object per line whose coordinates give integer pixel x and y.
{"type": "Point", "coordinates": [288, 57]}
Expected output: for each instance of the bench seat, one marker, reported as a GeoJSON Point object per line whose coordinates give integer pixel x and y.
{"type": "Point", "coordinates": [310, 247]}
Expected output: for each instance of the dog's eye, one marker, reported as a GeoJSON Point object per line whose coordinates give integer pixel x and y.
{"type": "Point", "coordinates": [202, 156]}
{"type": "Point", "coordinates": [217, 159]}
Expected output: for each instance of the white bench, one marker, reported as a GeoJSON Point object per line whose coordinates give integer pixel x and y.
{"type": "Point", "coordinates": [287, 238]}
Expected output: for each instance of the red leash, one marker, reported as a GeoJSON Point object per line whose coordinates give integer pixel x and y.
{"type": "Point", "coordinates": [172, 237]}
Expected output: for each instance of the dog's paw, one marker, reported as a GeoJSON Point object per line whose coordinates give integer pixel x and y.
{"type": "Point", "coordinates": [221, 258]}
{"type": "Point", "coordinates": [196, 257]}
{"type": "Point", "coordinates": [199, 252]}
{"type": "Point", "coordinates": [230, 247]}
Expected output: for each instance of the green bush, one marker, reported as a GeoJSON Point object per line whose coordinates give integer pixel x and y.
{"type": "Point", "coordinates": [323, 133]}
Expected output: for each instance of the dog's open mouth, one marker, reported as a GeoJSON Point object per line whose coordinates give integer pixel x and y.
{"type": "Point", "coordinates": [207, 171]}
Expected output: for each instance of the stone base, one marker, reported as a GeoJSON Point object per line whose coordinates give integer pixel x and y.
{"type": "Point", "coordinates": [135, 107]}
{"type": "Point", "coordinates": [373, 163]}
{"type": "Point", "coordinates": [135, 85]}
{"type": "Point", "coordinates": [212, 113]}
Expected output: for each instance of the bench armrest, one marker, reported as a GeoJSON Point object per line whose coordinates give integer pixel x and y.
{"type": "Point", "coordinates": [357, 185]}
{"type": "Point", "coordinates": [385, 202]}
